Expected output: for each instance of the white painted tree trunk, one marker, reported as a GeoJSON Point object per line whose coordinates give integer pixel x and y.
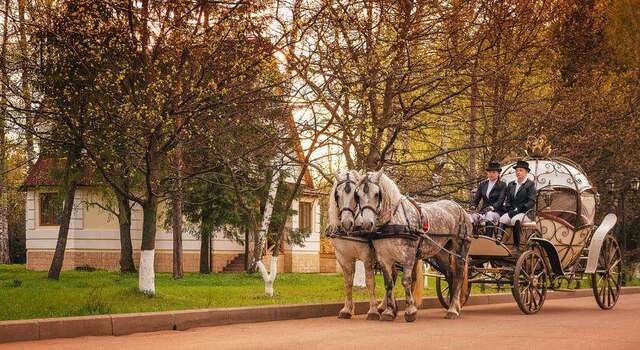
{"type": "Point", "coordinates": [359, 277]}
{"type": "Point", "coordinates": [269, 277]}
{"type": "Point", "coordinates": [146, 280]}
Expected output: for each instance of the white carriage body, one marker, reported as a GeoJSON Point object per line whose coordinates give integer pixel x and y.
{"type": "Point", "coordinates": [567, 221]}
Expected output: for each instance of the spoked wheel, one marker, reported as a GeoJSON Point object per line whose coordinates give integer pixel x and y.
{"type": "Point", "coordinates": [607, 279]}
{"type": "Point", "coordinates": [444, 292]}
{"type": "Point", "coordinates": [530, 279]}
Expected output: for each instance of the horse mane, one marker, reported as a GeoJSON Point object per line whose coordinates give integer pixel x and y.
{"type": "Point", "coordinates": [332, 210]}
{"type": "Point", "coordinates": [390, 197]}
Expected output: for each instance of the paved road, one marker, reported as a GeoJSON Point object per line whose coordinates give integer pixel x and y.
{"type": "Point", "coordinates": [562, 324]}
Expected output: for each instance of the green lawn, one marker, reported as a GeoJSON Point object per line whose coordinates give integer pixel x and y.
{"type": "Point", "coordinates": [29, 294]}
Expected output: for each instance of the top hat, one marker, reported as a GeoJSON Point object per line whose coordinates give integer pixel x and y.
{"type": "Point", "coordinates": [493, 166]}
{"type": "Point", "coordinates": [522, 164]}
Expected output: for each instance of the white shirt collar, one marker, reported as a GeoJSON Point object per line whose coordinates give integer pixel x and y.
{"type": "Point", "coordinates": [519, 184]}
{"type": "Point", "coordinates": [490, 185]}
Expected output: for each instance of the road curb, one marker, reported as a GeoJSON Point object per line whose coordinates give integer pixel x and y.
{"type": "Point", "coordinates": [122, 324]}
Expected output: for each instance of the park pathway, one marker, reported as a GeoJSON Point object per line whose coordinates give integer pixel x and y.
{"type": "Point", "coordinates": [562, 324]}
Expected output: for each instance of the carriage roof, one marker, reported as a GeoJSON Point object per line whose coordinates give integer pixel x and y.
{"type": "Point", "coordinates": [554, 173]}
{"type": "Point", "coordinates": [572, 191]}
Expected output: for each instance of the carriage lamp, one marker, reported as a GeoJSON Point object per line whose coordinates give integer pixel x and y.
{"type": "Point", "coordinates": [548, 198]}
{"type": "Point", "coordinates": [611, 185]}
{"type": "Point", "coordinates": [635, 184]}
{"type": "Point", "coordinates": [597, 198]}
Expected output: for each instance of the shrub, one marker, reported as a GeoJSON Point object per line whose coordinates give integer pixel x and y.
{"type": "Point", "coordinates": [86, 268]}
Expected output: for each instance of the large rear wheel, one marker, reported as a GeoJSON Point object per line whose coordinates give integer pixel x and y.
{"type": "Point", "coordinates": [530, 279]}
{"type": "Point", "coordinates": [607, 280]}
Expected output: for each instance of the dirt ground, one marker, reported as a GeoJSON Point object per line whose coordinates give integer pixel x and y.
{"type": "Point", "coordinates": [562, 324]}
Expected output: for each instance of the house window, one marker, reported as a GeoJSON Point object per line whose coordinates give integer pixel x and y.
{"type": "Point", "coordinates": [304, 213]}
{"type": "Point", "coordinates": [50, 209]}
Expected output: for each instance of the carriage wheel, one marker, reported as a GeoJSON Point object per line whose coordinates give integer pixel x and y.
{"type": "Point", "coordinates": [607, 279]}
{"type": "Point", "coordinates": [530, 279]}
{"type": "Point", "coordinates": [442, 289]}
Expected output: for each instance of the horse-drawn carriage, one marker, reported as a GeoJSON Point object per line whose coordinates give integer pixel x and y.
{"type": "Point", "coordinates": [560, 244]}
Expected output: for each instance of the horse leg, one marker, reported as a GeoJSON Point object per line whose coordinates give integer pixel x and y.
{"type": "Point", "coordinates": [373, 313]}
{"type": "Point", "coordinates": [348, 268]}
{"type": "Point", "coordinates": [389, 314]}
{"type": "Point", "coordinates": [385, 302]}
{"type": "Point", "coordinates": [410, 310]}
{"type": "Point", "coordinates": [457, 279]}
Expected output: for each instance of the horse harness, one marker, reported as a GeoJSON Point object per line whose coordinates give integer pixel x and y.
{"type": "Point", "coordinates": [386, 230]}
{"type": "Point", "coordinates": [347, 189]}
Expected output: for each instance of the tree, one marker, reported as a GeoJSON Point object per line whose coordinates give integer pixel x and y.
{"type": "Point", "coordinates": [147, 89]}
{"type": "Point", "coordinates": [4, 220]}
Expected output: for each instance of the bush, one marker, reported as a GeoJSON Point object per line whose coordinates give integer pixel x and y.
{"type": "Point", "coordinates": [16, 283]}
{"type": "Point", "coordinates": [85, 268]}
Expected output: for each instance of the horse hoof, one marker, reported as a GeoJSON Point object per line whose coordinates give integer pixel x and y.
{"type": "Point", "coordinates": [344, 315]}
{"type": "Point", "coordinates": [410, 317]}
{"type": "Point", "coordinates": [452, 316]}
{"type": "Point", "coordinates": [387, 317]}
{"type": "Point", "coordinates": [373, 316]}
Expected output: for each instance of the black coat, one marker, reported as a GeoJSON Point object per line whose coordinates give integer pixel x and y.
{"type": "Point", "coordinates": [496, 196]}
{"type": "Point", "coordinates": [521, 202]}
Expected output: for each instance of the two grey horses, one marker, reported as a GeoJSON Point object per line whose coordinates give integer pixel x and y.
{"type": "Point", "coordinates": [401, 233]}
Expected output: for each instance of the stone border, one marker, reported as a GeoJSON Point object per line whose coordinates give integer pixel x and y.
{"type": "Point", "coordinates": [122, 324]}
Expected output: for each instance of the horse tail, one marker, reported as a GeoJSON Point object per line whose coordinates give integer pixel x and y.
{"type": "Point", "coordinates": [417, 277]}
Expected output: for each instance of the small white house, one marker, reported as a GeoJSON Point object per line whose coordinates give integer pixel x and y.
{"type": "Point", "coordinates": [94, 238]}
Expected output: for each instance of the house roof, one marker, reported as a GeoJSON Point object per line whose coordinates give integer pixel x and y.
{"type": "Point", "coordinates": [48, 172]}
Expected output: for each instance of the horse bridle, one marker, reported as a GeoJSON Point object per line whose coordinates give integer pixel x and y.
{"type": "Point", "coordinates": [347, 189]}
{"type": "Point", "coordinates": [366, 181]}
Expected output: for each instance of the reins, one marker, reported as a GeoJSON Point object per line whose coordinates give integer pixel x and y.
{"type": "Point", "coordinates": [385, 230]}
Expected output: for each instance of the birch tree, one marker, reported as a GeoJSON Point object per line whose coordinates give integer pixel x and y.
{"type": "Point", "coordinates": [268, 276]}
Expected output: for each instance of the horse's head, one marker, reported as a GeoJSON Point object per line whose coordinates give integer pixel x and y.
{"type": "Point", "coordinates": [342, 203]}
{"type": "Point", "coordinates": [376, 194]}
{"type": "Point", "coordinates": [369, 198]}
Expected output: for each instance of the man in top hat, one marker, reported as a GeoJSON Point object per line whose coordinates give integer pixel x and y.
{"type": "Point", "coordinates": [492, 193]}
{"type": "Point", "coordinates": [520, 198]}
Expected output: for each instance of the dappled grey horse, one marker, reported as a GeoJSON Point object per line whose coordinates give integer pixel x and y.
{"type": "Point", "coordinates": [410, 231]}
{"type": "Point", "coordinates": [342, 211]}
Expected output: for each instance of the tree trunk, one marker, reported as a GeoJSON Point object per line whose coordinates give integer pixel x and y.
{"type": "Point", "coordinates": [177, 232]}
{"type": "Point", "coordinates": [205, 252]}
{"type": "Point", "coordinates": [270, 276]}
{"type": "Point", "coordinates": [70, 185]}
{"type": "Point", "coordinates": [359, 278]}
{"type": "Point", "coordinates": [146, 277]}
{"type": "Point", "coordinates": [473, 152]}
{"type": "Point", "coordinates": [26, 92]}
{"type": "Point", "coordinates": [126, 248]}
{"type": "Point", "coordinates": [178, 270]}
{"type": "Point", "coordinates": [5, 254]}
{"type": "Point", "coordinates": [247, 240]}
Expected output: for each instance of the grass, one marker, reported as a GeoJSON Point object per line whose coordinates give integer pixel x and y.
{"type": "Point", "coordinates": [29, 294]}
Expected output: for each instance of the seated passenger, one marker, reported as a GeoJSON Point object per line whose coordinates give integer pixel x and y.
{"type": "Point", "coordinates": [492, 192]}
{"type": "Point", "coordinates": [520, 198]}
